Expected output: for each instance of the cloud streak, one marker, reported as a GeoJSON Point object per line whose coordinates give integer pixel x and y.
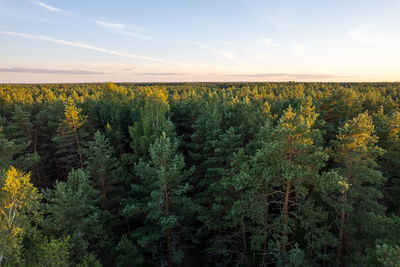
{"type": "Point", "coordinates": [46, 6]}
{"type": "Point", "coordinates": [81, 45]}
{"type": "Point", "coordinates": [289, 76]}
{"type": "Point", "coordinates": [234, 51]}
{"type": "Point", "coordinates": [268, 42]}
{"type": "Point", "coordinates": [362, 36]}
{"type": "Point", "coordinates": [221, 52]}
{"type": "Point", "coordinates": [49, 71]}
{"type": "Point", "coordinates": [160, 73]}
{"type": "Point", "coordinates": [122, 29]}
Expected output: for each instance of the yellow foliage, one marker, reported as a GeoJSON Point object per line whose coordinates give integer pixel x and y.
{"type": "Point", "coordinates": [73, 119]}
{"type": "Point", "coordinates": [394, 126]}
{"type": "Point", "coordinates": [16, 194]}
{"type": "Point", "coordinates": [108, 127]}
{"type": "Point", "coordinates": [344, 186]}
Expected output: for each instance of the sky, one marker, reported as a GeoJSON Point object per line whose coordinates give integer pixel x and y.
{"type": "Point", "coordinates": [207, 40]}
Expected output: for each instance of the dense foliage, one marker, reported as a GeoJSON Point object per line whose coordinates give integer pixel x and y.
{"type": "Point", "coordinates": [200, 174]}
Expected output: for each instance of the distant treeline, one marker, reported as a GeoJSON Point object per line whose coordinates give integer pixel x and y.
{"type": "Point", "coordinates": [200, 174]}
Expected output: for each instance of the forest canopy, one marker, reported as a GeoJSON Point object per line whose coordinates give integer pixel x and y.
{"type": "Point", "coordinates": [200, 174]}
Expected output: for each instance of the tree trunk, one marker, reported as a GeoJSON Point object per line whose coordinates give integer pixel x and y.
{"type": "Point", "coordinates": [168, 231]}
{"type": "Point", "coordinates": [285, 221]}
{"type": "Point", "coordinates": [37, 164]}
{"type": "Point", "coordinates": [265, 219]}
{"type": "Point", "coordinates": [34, 146]}
{"type": "Point", "coordinates": [38, 174]}
{"type": "Point", "coordinates": [340, 237]}
{"type": "Point", "coordinates": [246, 263]}
{"type": "Point", "coordinates": [79, 147]}
{"type": "Point", "coordinates": [1, 258]}
{"type": "Point", "coordinates": [103, 189]}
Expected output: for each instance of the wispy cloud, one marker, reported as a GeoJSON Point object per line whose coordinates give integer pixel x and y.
{"type": "Point", "coordinates": [221, 52]}
{"type": "Point", "coordinates": [160, 73]}
{"type": "Point", "coordinates": [268, 42]}
{"type": "Point", "coordinates": [259, 43]}
{"type": "Point", "coordinates": [259, 48]}
{"type": "Point", "coordinates": [360, 35]}
{"type": "Point", "coordinates": [46, 6]}
{"type": "Point", "coordinates": [116, 26]}
{"type": "Point", "coordinates": [49, 71]}
{"type": "Point", "coordinates": [81, 45]}
{"type": "Point", "coordinates": [289, 76]}
{"type": "Point", "coordinates": [122, 29]}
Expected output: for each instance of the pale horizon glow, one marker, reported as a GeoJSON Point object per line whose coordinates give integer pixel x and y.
{"type": "Point", "coordinates": [180, 41]}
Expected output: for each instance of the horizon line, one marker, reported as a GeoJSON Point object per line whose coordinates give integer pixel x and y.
{"type": "Point", "coordinates": [166, 82]}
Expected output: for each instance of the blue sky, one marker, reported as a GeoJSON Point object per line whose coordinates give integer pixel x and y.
{"type": "Point", "coordinates": [247, 40]}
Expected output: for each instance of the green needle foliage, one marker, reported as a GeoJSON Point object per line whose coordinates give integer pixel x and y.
{"type": "Point", "coordinates": [102, 167]}
{"type": "Point", "coordinates": [69, 136]}
{"type": "Point", "coordinates": [200, 174]}
{"type": "Point", "coordinates": [71, 211]}
{"type": "Point", "coordinates": [164, 204]}
{"type": "Point", "coordinates": [356, 153]}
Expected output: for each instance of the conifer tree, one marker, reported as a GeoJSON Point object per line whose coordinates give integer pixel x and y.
{"type": "Point", "coordinates": [103, 168]}
{"type": "Point", "coordinates": [7, 151]}
{"type": "Point", "coordinates": [153, 121]}
{"type": "Point", "coordinates": [48, 121]}
{"type": "Point", "coordinates": [21, 129]}
{"type": "Point", "coordinates": [71, 211]}
{"type": "Point", "coordinates": [288, 163]}
{"type": "Point", "coordinates": [207, 129]}
{"type": "Point", "coordinates": [228, 212]}
{"type": "Point", "coordinates": [24, 133]}
{"type": "Point", "coordinates": [388, 256]}
{"type": "Point", "coordinates": [69, 135]}
{"type": "Point", "coordinates": [217, 195]}
{"type": "Point", "coordinates": [356, 153]}
{"type": "Point", "coordinates": [110, 112]}
{"type": "Point", "coordinates": [211, 150]}
{"type": "Point", "coordinates": [46, 252]}
{"type": "Point", "coordinates": [388, 129]}
{"type": "Point", "coordinates": [163, 202]}
{"type": "Point", "coordinates": [392, 160]}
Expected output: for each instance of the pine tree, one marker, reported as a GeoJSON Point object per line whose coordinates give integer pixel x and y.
{"type": "Point", "coordinates": [69, 135]}
{"type": "Point", "coordinates": [388, 256]}
{"type": "Point", "coordinates": [287, 165]}
{"type": "Point", "coordinates": [24, 133]}
{"type": "Point", "coordinates": [7, 151]}
{"type": "Point", "coordinates": [228, 212]}
{"type": "Point", "coordinates": [212, 146]}
{"type": "Point", "coordinates": [46, 252]}
{"type": "Point", "coordinates": [337, 105]}
{"type": "Point", "coordinates": [217, 196]}
{"type": "Point", "coordinates": [102, 165]}
{"type": "Point", "coordinates": [207, 129]}
{"type": "Point", "coordinates": [388, 130]}
{"type": "Point", "coordinates": [153, 121]}
{"type": "Point", "coordinates": [356, 153]}
{"type": "Point", "coordinates": [392, 160]}
{"type": "Point", "coordinates": [163, 202]}
{"type": "Point", "coordinates": [110, 112]}
{"type": "Point", "coordinates": [71, 210]}
{"type": "Point", "coordinates": [48, 121]}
